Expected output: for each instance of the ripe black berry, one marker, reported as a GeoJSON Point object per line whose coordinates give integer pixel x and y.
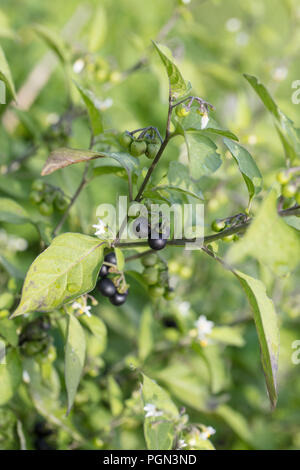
{"type": "Point", "coordinates": [103, 271]}
{"type": "Point", "coordinates": [157, 243]}
{"type": "Point", "coordinates": [111, 258]}
{"type": "Point", "coordinates": [118, 299]}
{"type": "Point", "coordinates": [106, 287]}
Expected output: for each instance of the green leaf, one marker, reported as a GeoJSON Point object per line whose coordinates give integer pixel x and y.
{"type": "Point", "coordinates": [217, 369]}
{"type": "Point", "coordinates": [228, 335]}
{"type": "Point", "coordinates": [269, 239]}
{"type": "Point", "coordinates": [8, 330]}
{"type": "Point", "coordinates": [12, 212]}
{"type": "Point", "coordinates": [5, 74]}
{"type": "Point", "coordinates": [74, 358]}
{"type": "Point", "coordinates": [97, 327]}
{"type": "Point", "coordinates": [64, 271]}
{"type": "Point", "coordinates": [97, 30]}
{"type": "Point", "coordinates": [236, 421]}
{"type": "Point", "coordinates": [177, 84]}
{"type": "Point", "coordinates": [120, 259]}
{"type": "Point", "coordinates": [115, 396]}
{"type": "Point", "coordinates": [159, 431]}
{"type": "Point", "coordinates": [203, 156]}
{"type": "Point", "coordinates": [13, 270]}
{"type": "Point", "coordinates": [192, 122]}
{"type": "Point", "coordinates": [93, 108]}
{"type": "Point", "coordinates": [178, 179]}
{"type": "Point", "coordinates": [288, 133]}
{"type": "Point", "coordinates": [266, 323]}
{"type": "Point", "coordinates": [53, 41]}
{"type": "Point", "coordinates": [10, 376]}
{"type": "Point", "coordinates": [13, 187]}
{"type": "Point", "coordinates": [263, 94]}
{"type": "Point", "coordinates": [145, 336]}
{"type": "Point", "coordinates": [247, 167]}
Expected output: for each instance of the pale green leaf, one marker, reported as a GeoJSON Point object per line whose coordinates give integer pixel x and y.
{"type": "Point", "coordinates": [193, 122]}
{"type": "Point", "coordinates": [64, 271]}
{"type": "Point", "coordinates": [120, 259]}
{"type": "Point", "coordinates": [236, 421]}
{"type": "Point", "coordinates": [177, 84]}
{"type": "Point", "coordinates": [74, 358]}
{"type": "Point", "coordinates": [12, 212]}
{"type": "Point", "coordinates": [8, 330]}
{"type": "Point", "coordinates": [10, 376]}
{"type": "Point", "coordinates": [93, 108]}
{"type": "Point", "coordinates": [269, 239]}
{"type": "Point", "coordinates": [53, 41]}
{"type": "Point", "coordinates": [115, 396]}
{"type": "Point", "coordinates": [97, 30]}
{"type": "Point", "coordinates": [203, 156]}
{"type": "Point", "coordinates": [159, 431]}
{"type": "Point", "coordinates": [247, 167]}
{"type": "Point", "coordinates": [97, 327]}
{"type": "Point", "coordinates": [266, 323]}
{"type": "Point", "coordinates": [5, 74]}
{"type": "Point", "coordinates": [145, 336]}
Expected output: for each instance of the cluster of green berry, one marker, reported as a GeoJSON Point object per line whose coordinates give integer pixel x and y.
{"type": "Point", "coordinates": [219, 225]}
{"type": "Point", "coordinates": [290, 183]}
{"type": "Point", "coordinates": [48, 198]}
{"type": "Point", "coordinates": [147, 144]}
{"type": "Point", "coordinates": [156, 277]}
{"type": "Point", "coordinates": [109, 287]}
{"type": "Point", "coordinates": [101, 69]}
{"type": "Point", "coordinates": [34, 338]}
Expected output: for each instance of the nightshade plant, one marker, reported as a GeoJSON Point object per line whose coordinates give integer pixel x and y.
{"type": "Point", "coordinates": [62, 285]}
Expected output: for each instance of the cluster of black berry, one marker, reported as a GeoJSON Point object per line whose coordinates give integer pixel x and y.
{"type": "Point", "coordinates": [106, 286]}
{"type": "Point", "coordinates": [48, 198]}
{"type": "Point", "coordinates": [156, 277]}
{"type": "Point", "coordinates": [147, 144]}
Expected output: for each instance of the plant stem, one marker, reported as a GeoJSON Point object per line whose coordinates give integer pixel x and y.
{"type": "Point", "coordinates": [217, 236]}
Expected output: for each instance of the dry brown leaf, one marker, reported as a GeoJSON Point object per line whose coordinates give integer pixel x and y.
{"type": "Point", "coordinates": [60, 158]}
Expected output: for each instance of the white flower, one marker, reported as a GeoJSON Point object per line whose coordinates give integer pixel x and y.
{"type": "Point", "coordinates": [151, 411]}
{"type": "Point", "coordinates": [184, 308]}
{"type": "Point", "coordinates": [82, 309]}
{"type": "Point", "coordinates": [204, 120]}
{"type": "Point", "coordinates": [26, 377]}
{"type": "Point", "coordinates": [100, 228]}
{"type": "Point", "coordinates": [233, 25]}
{"type": "Point", "coordinates": [186, 2]}
{"type": "Point", "coordinates": [181, 444]}
{"type": "Point", "coordinates": [78, 65]}
{"type": "Point", "coordinates": [204, 327]}
{"type": "Point", "coordinates": [207, 433]}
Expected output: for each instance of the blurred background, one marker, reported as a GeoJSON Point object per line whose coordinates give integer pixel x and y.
{"type": "Point", "coordinates": [109, 47]}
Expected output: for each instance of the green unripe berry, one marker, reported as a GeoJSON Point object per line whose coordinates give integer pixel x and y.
{"type": "Point", "coordinates": [150, 260]}
{"type": "Point", "coordinates": [218, 225]}
{"type": "Point", "coordinates": [125, 139]}
{"type": "Point", "coordinates": [169, 294]}
{"type": "Point", "coordinates": [163, 277]}
{"type": "Point", "coordinates": [229, 238]}
{"type": "Point", "coordinates": [38, 185]}
{"type": "Point", "coordinates": [156, 291]}
{"type": "Point", "coordinates": [289, 190]}
{"type": "Point", "coordinates": [61, 202]}
{"type": "Point", "coordinates": [36, 197]}
{"type": "Point", "coordinates": [46, 209]}
{"type": "Point", "coordinates": [185, 272]}
{"type": "Point", "coordinates": [12, 285]}
{"type": "Point", "coordinates": [150, 276]}
{"type": "Point", "coordinates": [137, 148]}
{"type": "Point", "coordinates": [152, 150]}
{"type": "Point", "coordinates": [283, 177]}
{"type": "Point", "coordinates": [6, 300]}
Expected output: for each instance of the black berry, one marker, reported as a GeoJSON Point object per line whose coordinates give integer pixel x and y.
{"type": "Point", "coordinates": [157, 243]}
{"type": "Point", "coordinates": [111, 258]}
{"type": "Point", "coordinates": [106, 287]}
{"type": "Point", "coordinates": [118, 299]}
{"type": "Point", "coordinates": [103, 271]}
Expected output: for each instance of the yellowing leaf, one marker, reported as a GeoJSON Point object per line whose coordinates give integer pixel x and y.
{"type": "Point", "coordinates": [64, 271]}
